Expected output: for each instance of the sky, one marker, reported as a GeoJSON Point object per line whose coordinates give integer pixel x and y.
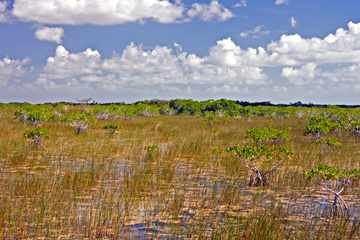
{"type": "Point", "coordinates": [281, 51]}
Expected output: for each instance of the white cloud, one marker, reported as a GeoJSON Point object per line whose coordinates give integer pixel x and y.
{"type": "Point", "coordinates": [242, 3]}
{"type": "Point", "coordinates": [306, 71]}
{"type": "Point", "coordinates": [226, 62]}
{"type": "Point", "coordinates": [170, 89]}
{"type": "Point", "coordinates": [255, 33]}
{"type": "Point", "coordinates": [227, 68]}
{"type": "Point", "coordinates": [223, 89]}
{"type": "Point", "coordinates": [244, 34]}
{"type": "Point", "coordinates": [160, 65]}
{"type": "Point", "coordinates": [12, 69]}
{"type": "Point", "coordinates": [214, 10]}
{"type": "Point", "coordinates": [4, 14]}
{"type": "Point", "coordinates": [310, 74]}
{"type": "Point", "coordinates": [278, 2]}
{"type": "Point", "coordinates": [137, 67]}
{"type": "Point", "coordinates": [65, 65]}
{"type": "Point", "coordinates": [293, 22]}
{"type": "Point", "coordinates": [350, 74]}
{"type": "Point", "coordinates": [97, 12]}
{"type": "Point", "coordinates": [279, 89]}
{"type": "Point", "coordinates": [148, 67]}
{"type": "Point", "coordinates": [49, 34]}
{"type": "Point", "coordinates": [178, 47]}
{"type": "Point", "coordinates": [302, 75]}
{"type": "Point", "coordinates": [344, 46]}
{"type": "Point", "coordinates": [227, 53]}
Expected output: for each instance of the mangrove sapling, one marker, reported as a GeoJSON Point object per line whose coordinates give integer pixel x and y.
{"type": "Point", "coordinates": [319, 126]}
{"type": "Point", "coordinates": [203, 125]}
{"type": "Point", "coordinates": [216, 131]}
{"type": "Point", "coordinates": [112, 128]}
{"type": "Point", "coordinates": [37, 134]}
{"type": "Point", "coordinates": [260, 136]}
{"type": "Point", "coordinates": [80, 122]}
{"type": "Point", "coordinates": [217, 152]}
{"type": "Point", "coordinates": [151, 149]}
{"type": "Point", "coordinates": [227, 119]}
{"type": "Point", "coordinates": [355, 128]}
{"type": "Point", "coordinates": [249, 156]}
{"type": "Point", "coordinates": [160, 123]}
{"type": "Point", "coordinates": [33, 116]}
{"type": "Point", "coordinates": [141, 124]}
{"type": "Point", "coordinates": [334, 181]}
{"type": "Point", "coordinates": [327, 142]}
{"type": "Point", "coordinates": [211, 119]}
{"type": "Point", "coordinates": [103, 115]}
{"type": "Point", "coordinates": [269, 124]}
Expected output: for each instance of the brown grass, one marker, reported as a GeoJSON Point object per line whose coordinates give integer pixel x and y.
{"type": "Point", "coordinates": [91, 186]}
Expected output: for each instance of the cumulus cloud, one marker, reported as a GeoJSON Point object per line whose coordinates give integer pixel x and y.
{"type": "Point", "coordinates": [160, 65]}
{"type": "Point", "coordinates": [10, 69]}
{"type": "Point", "coordinates": [147, 67]}
{"type": "Point", "coordinates": [226, 63]}
{"type": "Point", "coordinates": [214, 10]}
{"type": "Point", "coordinates": [65, 65]}
{"type": "Point", "coordinates": [138, 67]}
{"type": "Point", "coordinates": [242, 3]}
{"type": "Point", "coordinates": [291, 50]}
{"type": "Point", "coordinates": [256, 32]}
{"type": "Point", "coordinates": [293, 22]}
{"type": "Point", "coordinates": [301, 75]}
{"type": "Point", "coordinates": [311, 74]}
{"type": "Point", "coordinates": [49, 34]}
{"type": "Point", "coordinates": [97, 12]}
{"type": "Point", "coordinates": [227, 53]}
{"type": "Point", "coordinates": [227, 68]}
{"type": "Point", "coordinates": [306, 71]}
{"type": "Point", "coordinates": [343, 46]}
{"type": "Point", "coordinates": [278, 2]}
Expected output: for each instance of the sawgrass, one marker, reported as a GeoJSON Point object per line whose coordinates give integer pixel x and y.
{"type": "Point", "coordinates": [95, 186]}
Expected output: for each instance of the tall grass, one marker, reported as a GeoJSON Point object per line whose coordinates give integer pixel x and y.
{"type": "Point", "coordinates": [95, 186]}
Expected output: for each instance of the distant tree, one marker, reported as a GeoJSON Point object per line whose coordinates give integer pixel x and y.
{"type": "Point", "coordinates": [83, 102]}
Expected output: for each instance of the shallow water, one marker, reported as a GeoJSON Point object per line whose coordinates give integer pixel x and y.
{"type": "Point", "coordinates": [193, 196]}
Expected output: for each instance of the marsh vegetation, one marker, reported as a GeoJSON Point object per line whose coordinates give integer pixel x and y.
{"type": "Point", "coordinates": [152, 180]}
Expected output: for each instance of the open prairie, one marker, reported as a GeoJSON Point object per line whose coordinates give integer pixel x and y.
{"type": "Point", "coordinates": [158, 177]}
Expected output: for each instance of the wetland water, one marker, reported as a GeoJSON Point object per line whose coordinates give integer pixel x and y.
{"type": "Point", "coordinates": [148, 198]}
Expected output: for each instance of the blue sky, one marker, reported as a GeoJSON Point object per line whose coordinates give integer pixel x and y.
{"type": "Point", "coordinates": [127, 50]}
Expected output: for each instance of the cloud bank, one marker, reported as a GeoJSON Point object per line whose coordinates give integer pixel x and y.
{"type": "Point", "coordinates": [304, 65]}
{"type": "Point", "coordinates": [97, 12]}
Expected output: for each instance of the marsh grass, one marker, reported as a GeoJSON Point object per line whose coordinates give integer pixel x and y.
{"type": "Point", "coordinates": [90, 186]}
